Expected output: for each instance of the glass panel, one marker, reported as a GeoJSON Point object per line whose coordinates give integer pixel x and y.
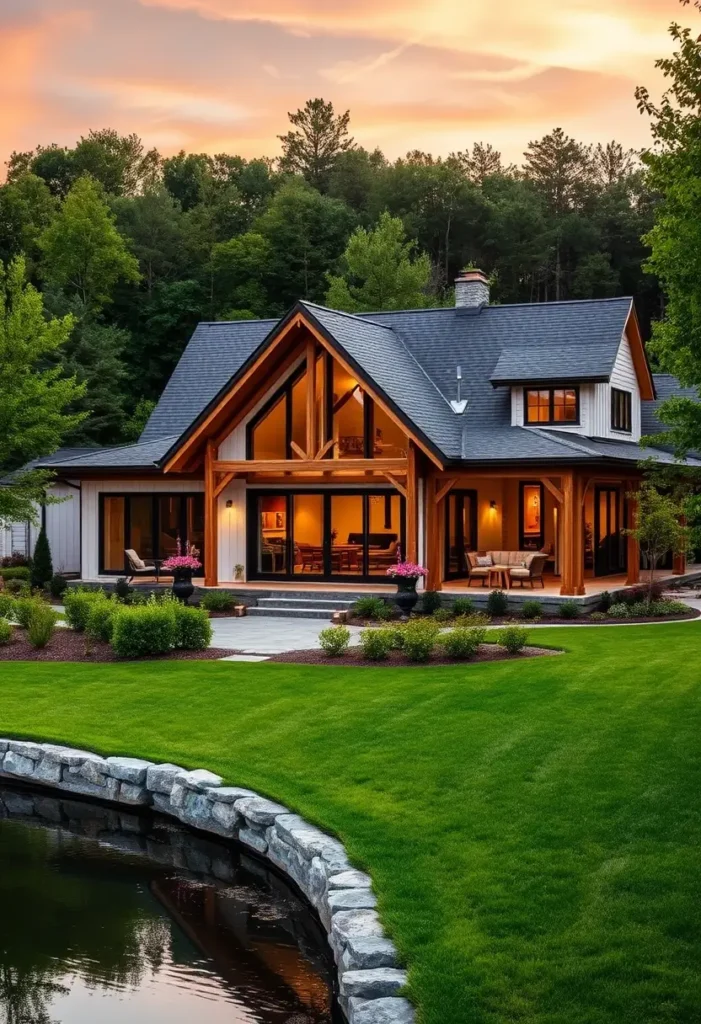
{"type": "Point", "coordinates": [169, 524]}
{"type": "Point", "coordinates": [348, 417]}
{"type": "Point", "coordinates": [319, 400]}
{"type": "Point", "coordinates": [390, 440]}
{"type": "Point", "coordinates": [194, 523]}
{"type": "Point", "coordinates": [453, 538]}
{"type": "Point", "coordinates": [269, 434]}
{"type": "Point", "coordinates": [272, 534]}
{"type": "Point", "coordinates": [141, 525]}
{"type": "Point", "coordinates": [565, 405]}
{"type": "Point", "coordinates": [299, 415]}
{"type": "Point", "coordinates": [532, 517]}
{"type": "Point", "coordinates": [537, 406]}
{"type": "Point", "coordinates": [384, 532]}
{"type": "Point", "coordinates": [469, 542]}
{"type": "Point", "coordinates": [347, 534]}
{"type": "Point", "coordinates": [308, 534]}
{"type": "Point", "coordinates": [113, 534]}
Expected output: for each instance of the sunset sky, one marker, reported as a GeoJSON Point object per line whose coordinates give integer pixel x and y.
{"type": "Point", "coordinates": [220, 75]}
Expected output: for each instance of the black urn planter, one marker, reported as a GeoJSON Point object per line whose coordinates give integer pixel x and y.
{"type": "Point", "coordinates": [182, 584]}
{"type": "Point", "coordinates": [406, 596]}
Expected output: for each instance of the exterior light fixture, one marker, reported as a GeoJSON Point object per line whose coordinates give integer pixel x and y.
{"type": "Point", "coordinates": [229, 503]}
{"type": "Point", "coordinates": [493, 505]}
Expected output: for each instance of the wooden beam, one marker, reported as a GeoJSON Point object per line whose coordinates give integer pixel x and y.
{"type": "Point", "coordinates": [435, 575]}
{"type": "Point", "coordinates": [325, 449]}
{"type": "Point", "coordinates": [303, 455]}
{"type": "Point", "coordinates": [555, 491]}
{"type": "Point", "coordinates": [396, 483]}
{"type": "Point", "coordinates": [211, 553]}
{"type": "Point", "coordinates": [585, 488]}
{"type": "Point", "coordinates": [633, 546]}
{"type": "Point", "coordinates": [345, 397]}
{"type": "Point", "coordinates": [567, 583]}
{"type": "Point", "coordinates": [224, 482]}
{"type": "Point", "coordinates": [578, 536]}
{"type": "Point", "coordinates": [442, 491]}
{"type": "Point", "coordinates": [412, 509]}
{"type": "Point", "coordinates": [312, 440]}
{"type": "Point", "coordinates": [310, 465]}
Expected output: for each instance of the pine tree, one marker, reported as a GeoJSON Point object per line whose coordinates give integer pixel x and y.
{"type": "Point", "coordinates": [42, 569]}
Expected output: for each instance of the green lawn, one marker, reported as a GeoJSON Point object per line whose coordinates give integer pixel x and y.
{"type": "Point", "coordinates": [533, 828]}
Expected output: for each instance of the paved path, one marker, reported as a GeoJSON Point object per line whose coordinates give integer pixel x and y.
{"type": "Point", "coordinates": [262, 635]}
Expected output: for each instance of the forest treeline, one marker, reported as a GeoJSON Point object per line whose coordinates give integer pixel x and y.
{"type": "Point", "coordinates": [139, 248]}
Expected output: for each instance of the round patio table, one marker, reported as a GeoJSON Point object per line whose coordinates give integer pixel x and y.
{"type": "Point", "coordinates": [500, 573]}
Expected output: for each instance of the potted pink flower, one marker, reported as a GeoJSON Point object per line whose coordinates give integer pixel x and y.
{"type": "Point", "coordinates": [406, 575]}
{"type": "Point", "coordinates": [183, 565]}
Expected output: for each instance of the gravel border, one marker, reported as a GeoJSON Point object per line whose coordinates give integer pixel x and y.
{"type": "Point", "coordinates": [369, 974]}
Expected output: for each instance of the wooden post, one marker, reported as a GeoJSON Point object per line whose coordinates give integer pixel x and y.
{"type": "Point", "coordinates": [433, 580]}
{"type": "Point", "coordinates": [680, 556]}
{"type": "Point", "coordinates": [633, 547]}
{"type": "Point", "coordinates": [578, 536]}
{"type": "Point", "coordinates": [567, 533]}
{"type": "Point", "coordinates": [211, 532]}
{"type": "Point", "coordinates": [412, 523]}
{"type": "Point", "coordinates": [312, 439]}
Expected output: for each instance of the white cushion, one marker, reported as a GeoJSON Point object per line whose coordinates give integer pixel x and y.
{"type": "Point", "coordinates": [135, 560]}
{"type": "Point", "coordinates": [483, 561]}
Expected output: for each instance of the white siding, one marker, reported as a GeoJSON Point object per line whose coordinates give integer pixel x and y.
{"type": "Point", "coordinates": [232, 530]}
{"type": "Point", "coordinates": [625, 378]}
{"type": "Point", "coordinates": [91, 490]}
{"type": "Point", "coordinates": [62, 530]}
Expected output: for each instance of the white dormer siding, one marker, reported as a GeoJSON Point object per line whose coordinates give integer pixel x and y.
{"type": "Point", "coordinates": [595, 402]}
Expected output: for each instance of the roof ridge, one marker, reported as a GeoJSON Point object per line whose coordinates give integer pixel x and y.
{"type": "Point", "coordinates": [122, 447]}
{"type": "Point", "coordinates": [228, 323]}
{"type": "Point", "coordinates": [505, 305]}
{"type": "Point", "coordinates": [343, 312]}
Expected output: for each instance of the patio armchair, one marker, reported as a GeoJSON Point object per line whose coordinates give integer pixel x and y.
{"type": "Point", "coordinates": [137, 567]}
{"type": "Point", "coordinates": [531, 572]}
{"type": "Point", "coordinates": [475, 570]}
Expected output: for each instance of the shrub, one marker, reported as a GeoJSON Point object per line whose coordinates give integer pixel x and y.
{"type": "Point", "coordinates": [605, 601]}
{"type": "Point", "coordinates": [663, 608]}
{"type": "Point", "coordinates": [122, 591]}
{"type": "Point", "coordinates": [15, 559]}
{"type": "Point", "coordinates": [20, 588]}
{"type": "Point", "coordinates": [41, 569]}
{"type": "Point", "coordinates": [598, 617]}
{"type": "Point", "coordinates": [25, 607]}
{"type": "Point", "coordinates": [420, 636]}
{"type": "Point", "coordinates": [7, 607]}
{"type": "Point", "coordinates": [193, 630]}
{"type": "Point", "coordinates": [148, 629]}
{"type": "Point", "coordinates": [532, 609]}
{"type": "Point", "coordinates": [58, 585]}
{"type": "Point", "coordinates": [442, 615]}
{"type": "Point", "coordinates": [376, 643]}
{"type": "Point", "coordinates": [78, 604]}
{"type": "Point", "coordinates": [5, 632]}
{"type": "Point", "coordinates": [497, 603]}
{"type": "Point", "coordinates": [99, 624]}
{"type": "Point", "coordinates": [217, 601]}
{"type": "Point", "coordinates": [371, 608]}
{"type": "Point", "coordinates": [640, 609]}
{"type": "Point", "coordinates": [513, 639]}
{"type": "Point", "coordinates": [641, 592]}
{"type": "Point", "coordinates": [397, 632]}
{"type": "Point", "coordinates": [15, 572]}
{"type": "Point", "coordinates": [42, 623]}
{"type": "Point", "coordinates": [430, 601]}
{"type": "Point", "coordinates": [569, 610]}
{"type": "Point", "coordinates": [473, 619]}
{"type": "Point", "coordinates": [463, 606]}
{"type": "Point", "coordinates": [462, 643]}
{"type": "Point", "coordinates": [619, 610]}
{"type": "Point", "coordinates": [334, 640]}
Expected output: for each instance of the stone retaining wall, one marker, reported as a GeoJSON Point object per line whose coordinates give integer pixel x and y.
{"type": "Point", "coordinates": [368, 971]}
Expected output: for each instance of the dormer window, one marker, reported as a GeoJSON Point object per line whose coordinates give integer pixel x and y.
{"type": "Point", "coordinates": [621, 410]}
{"type": "Point", "coordinates": [551, 406]}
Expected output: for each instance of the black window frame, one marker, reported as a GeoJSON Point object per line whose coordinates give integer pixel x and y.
{"type": "Point", "coordinates": [459, 495]}
{"type": "Point", "coordinates": [621, 401]}
{"type": "Point", "coordinates": [155, 497]}
{"type": "Point", "coordinates": [551, 422]}
{"type": "Point", "coordinates": [538, 538]}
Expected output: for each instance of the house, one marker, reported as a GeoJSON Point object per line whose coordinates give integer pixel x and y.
{"type": "Point", "coordinates": [316, 448]}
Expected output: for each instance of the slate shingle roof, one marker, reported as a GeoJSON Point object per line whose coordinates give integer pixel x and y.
{"type": "Point", "coordinates": [666, 387]}
{"type": "Point", "coordinates": [517, 365]}
{"type": "Point", "coordinates": [144, 455]}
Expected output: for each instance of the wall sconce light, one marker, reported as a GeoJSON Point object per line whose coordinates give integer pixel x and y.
{"type": "Point", "coordinates": [229, 503]}
{"type": "Point", "coordinates": [493, 505]}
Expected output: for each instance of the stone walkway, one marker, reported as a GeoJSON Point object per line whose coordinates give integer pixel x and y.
{"type": "Point", "coordinates": [266, 636]}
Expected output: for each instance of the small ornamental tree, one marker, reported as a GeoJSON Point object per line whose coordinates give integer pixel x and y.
{"type": "Point", "coordinates": [658, 527]}
{"type": "Point", "coordinates": [42, 569]}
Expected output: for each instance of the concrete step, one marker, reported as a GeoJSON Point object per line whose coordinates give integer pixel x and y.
{"type": "Point", "coordinates": [285, 612]}
{"type": "Point", "coordinates": [311, 600]}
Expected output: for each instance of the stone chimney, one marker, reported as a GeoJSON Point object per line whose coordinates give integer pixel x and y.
{"type": "Point", "coordinates": [471, 290]}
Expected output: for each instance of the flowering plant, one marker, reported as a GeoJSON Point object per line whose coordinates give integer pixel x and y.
{"type": "Point", "coordinates": [181, 562]}
{"type": "Point", "coordinates": [407, 570]}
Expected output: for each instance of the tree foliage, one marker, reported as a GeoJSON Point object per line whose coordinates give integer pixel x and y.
{"type": "Point", "coordinates": [658, 526]}
{"type": "Point", "coordinates": [318, 139]}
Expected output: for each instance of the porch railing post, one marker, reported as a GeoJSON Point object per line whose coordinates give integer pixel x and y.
{"type": "Point", "coordinates": [567, 587]}
{"type": "Point", "coordinates": [211, 532]}
{"type": "Point", "coordinates": [412, 533]}
{"type": "Point", "coordinates": [434, 578]}
{"type": "Point", "coordinates": [578, 537]}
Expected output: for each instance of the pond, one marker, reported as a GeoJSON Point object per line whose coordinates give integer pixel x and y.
{"type": "Point", "coordinates": [110, 916]}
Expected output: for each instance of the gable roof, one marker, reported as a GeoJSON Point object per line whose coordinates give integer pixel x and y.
{"type": "Point", "coordinates": [143, 455]}
{"type": "Point", "coordinates": [517, 365]}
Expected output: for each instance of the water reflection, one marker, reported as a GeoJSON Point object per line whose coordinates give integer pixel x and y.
{"type": "Point", "coordinates": [116, 917]}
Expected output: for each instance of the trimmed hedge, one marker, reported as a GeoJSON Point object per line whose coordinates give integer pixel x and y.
{"type": "Point", "coordinates": [15, 572]}
{"type": "Point", "coordinates": [25, 607]}
{"type": "Point", "coordinates": [193, 630]}
{"type": "Point", "coordinates": [5, 632]}
{"type": "Point", "coordinates": [144, 630]}
{"type": "Point", "coordinates": [217, 601]}
{"type": "Point", "coordinates": [99, 624]}
{"type": "Point", "coordinates": [78, 604]}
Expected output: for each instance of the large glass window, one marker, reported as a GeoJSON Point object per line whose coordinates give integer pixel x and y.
{"type": "Point", "coordinates": [267, 436]}
{"type": "Point", "coordinates": [621, 410]}
{"type": "Point", "coordinates": [113, 533]}
{"type": "Point", "coordinates": [460, 531]}
{"type": "Point", "coordinates": [390, 441]}
{"type": "Point", "coordinates": [384, 531]}
{"type": "Point", "coordinates": [552, 405]}
{"type": "Point", "coordinates": [308, 532]}
{"type": "Point", "coordinates": [347, 534]}
{"type": "Point", "coordinates": [149, 524]}
{"type": "Point", "coordinates": [532, 534]}
{"type": "Point", "coordinates": [272, 534]}
{"type": "Point", "coordinates": [348, 415]}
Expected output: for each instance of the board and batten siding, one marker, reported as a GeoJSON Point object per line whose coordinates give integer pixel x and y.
{"type": "Point", "coordinates": [62, 528]}
{"type": "Point", "coordinates": [90, 493]}
{"type": "Point", "coordinates": [595, 402]}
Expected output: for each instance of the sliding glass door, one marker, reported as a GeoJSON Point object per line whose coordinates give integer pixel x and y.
{"type": "Point", "coordinates": [460, 531]}
{"type": "Point", "coordinates": [149, 524]}
{"type": "Point", "coordinates": [337, 535]}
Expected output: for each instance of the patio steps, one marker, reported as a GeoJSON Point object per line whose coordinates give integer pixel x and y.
{"type": "Point", "coordinates": [308, 607]}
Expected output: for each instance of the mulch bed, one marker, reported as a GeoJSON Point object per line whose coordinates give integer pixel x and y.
{"type": "Point", "coordinates": [65, 645]}
{"type": "Point", "coordinates": [545, 620]}
{"type": "Point", "coordinates": [395, 659]}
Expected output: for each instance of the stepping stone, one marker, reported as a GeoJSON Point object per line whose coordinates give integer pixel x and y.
{"type": "Point", "coordinates": [245, 657]}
